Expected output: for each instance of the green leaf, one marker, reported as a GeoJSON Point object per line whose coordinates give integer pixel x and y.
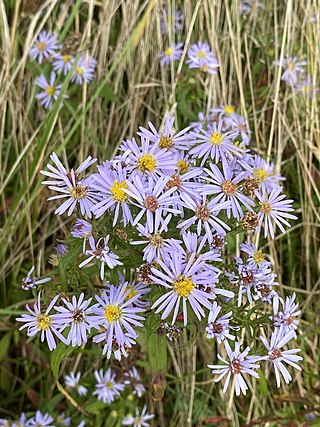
{"type": "Point", "coordinates": [58, 355]}
{"type": "Point", "coordinates": [4, 345]}
{"type": "Point", "coordinates": [157, 350]}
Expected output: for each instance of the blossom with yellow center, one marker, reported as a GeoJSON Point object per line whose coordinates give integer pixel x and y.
{"type": "Point", "coordinates": [201, 54]}
{"type": "Point", "coordinates": [42, 46]}
{"type": "Point", "coordinates": [168, 51]}
{"type": "Point", "coordinates": [50, 90]}
{"type": "Point", "coordinates": [166, 142]}
{"type": "Point", "coordinates": [79, 70]}
{"type": "Point", "coordinates": [147, 163]}
{"type": "Point", "coordinates": [229, 109]}
{"type": "Point", "coordinates": [112, 313]}
{"type": "Point", "coordinates": [183, 287]}
{"type": "Point", "coordinates": [117, 191]}
{"type": "Point", "coordinates": [66, 58]}
{"type": "Point", "coordinates": [183, 166]}
{"type": "Point", "coordinates": [216, 138]}
{"type": "Point", "coordinates": [44, 321]}
{"type": "Point", "coordinates": [132, 292]}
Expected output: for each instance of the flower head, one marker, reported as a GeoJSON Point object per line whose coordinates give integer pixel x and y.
{"type": "Point", "coordinates": [172, 53]}
{"type": "Point", "coordinates": [31, 282]}
{"type": "Point", "coordinates": [45, 46]}
{"type": "Point", "coordinates": [107, 389]}
{"type": "Point", "coordinates": [72, 381]}
{"type": "Point", "coordinates": [50, 91]}
{"type": "Point", "coordinates": [140, 420]}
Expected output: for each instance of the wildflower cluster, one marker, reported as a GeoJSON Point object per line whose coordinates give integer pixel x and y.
{"type": "Point", "coordinates": [62, 59]}
{"type": "Point", "coordinates": [174, 199]}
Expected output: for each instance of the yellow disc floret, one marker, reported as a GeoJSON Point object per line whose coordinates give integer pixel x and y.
{"type": "Point", "coordinates": [169, 51]}
{"type": "Point", "coordinates": [50, 90]}
{"type": "Point", "coordinates": [132, 292]}
{"type": "Point", "coordinates": [44, 321]}
{"type": "Point", "coordinates": [229, 109]}
{"type": "Point", "coordinates": [260, 174]}
{"type": "Point", "coordinates": [112, 313]}
{"type": "Point", "coordinates": [183, 286]}
{"type": "Point", "coordinates": [183, 166]}
{"type": "Point", "coordinates": [147, 163]}
{"type": "Point", "coordinates": [201, 54]}
{"type": "Point", "coordinates": [258, 257]}
{"type": "Point", "coordinates": [42, 46]}
{"type": "Point", "coordinates": [216, 138]}
{"type": "Point", "coordinates": [117, 191]}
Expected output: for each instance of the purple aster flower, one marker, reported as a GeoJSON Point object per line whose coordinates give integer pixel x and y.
{"type": "Point", "coordinates": [286, 318]}
{"type": "Point", "coordinates": [157, 247]}
{"type": "Point", "coordinates": [110, 184]}
{"type": "Point", "coordinates": [147, 159]}
{"type": "Point", "coordinates": [50, 91]}
{"type": "Point", "coordinates": [140, 289]}
{"type": "Point", "coordinates": [278, 357]}
{"type": "Point", "coordinates": [239, 363]}
{"type": "Point", "coordinates": [107, 389]}
{"type": "Point", "coordinates": [177, 20]}
{"type": "Point", "coordinates": [215, 144]}
{"type": "Point", "coordinates": [205, 215]}
{"type": "Point", "coordinates": [133, 378]}
{"type": "Point", "coordinates": [218, 327]}
{"type": "Point", "coordinates": [22, 422]}
{"type": "Point", "coordinates": [167, 138]}
{"type": "Point", "coordinates": [40, 420]}
{"type": "Point", "coordinates": [31, 282]}
{"type": "Point", "coordinates": [76, 314]}
{"type": "Point", "coordinates": [85, 70]}
{"type": "Point", "coordinates": [116, 314]}
{"type": "Point", "coordinates": [307, 87]}
{"type": "Point", "coordinates": [45, 46]}
{"type": "Point", "coordinates": [72, 381]}
{"type": "Point", "coordinates": [44, 323]}
{"type": "Point", "coordinates": [292, 68]}
{"type": "Point", "coordinates": [82, 229]}
{"type": "Point", "coordinates": [261, 171]}
{"type": "Point", "coordinates": [62, 63]}
{"type": "Point", "coordinates": [152, 200]}
{"type": "Point", "coordinates": [172, 53]}
{"type": "Point", "coordinates": [101, 253]}
{"type": "Point", "coordinates": [200, 56]}
{"type": "Point", "coordinates": [182, 281]}
{"type": "Point", "coordinates": [273, 210]}
{"type": "Point", "coordinates": [225, 113]}
{"type": "Point", "coordinates": [140, 420]}
{"type": "Point", "coordinates": [256, 257]}
{"type": "Point", "coordinates": [225, 187]}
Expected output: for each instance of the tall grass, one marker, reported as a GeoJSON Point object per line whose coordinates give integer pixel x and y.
{"type": "Point", "coordinates": [131, 89]}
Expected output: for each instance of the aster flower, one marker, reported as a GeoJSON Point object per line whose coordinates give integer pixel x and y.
{"type": "Point", "coordinates": [286, 318]}
{"type": "Point", "coordinates": [200, 56]}
{"type": "Point", "coordinates": [273, 210]}
{"type": "Point", "coordinates": [205, 215]}
{"type": "Point", "coordinates": [140, 420]}
{"type": "Point", "coordinates": [85, 70]}
{"type": "Point", "coordinates": [256, 256]}
{"type": "Point", "coordinates": [182, 281]}
{"type": "Point", "coordinates": [157, 247]}
{"type": "Point", "coordinates": [62, 63]}
{"type": "Point", "coordinates": [172, 53]}
{"type": "Point", "coordinates": [59, 173]}
{"type": "Point", "coordinates": [110, 184]}
{"type": "Point", "coordinates": [278, 357]}
{"type": "Point", "coordinates": [215, 144]}
{"type": "Point", "coordinates": [116, 314]}
{"type": "Point", "coordinates": [261, 171]}
{"type": "Point", "coordinates": [225, 113]}
{"type": "Point", "coordinates": [107, 389]}
{"type": "Point", "coordinates": [151, 199]}
{"type": "Point", "coordinates": [40, 420]}
{"type": "Point", "coordinates": [147, 159]}
{"type": "Point", "coordinates": [101, 253]}
{"type": "Point", "coordinates": [306, 87]}
{"type": "Point", "coordinates": [177, 20]}
{"type": "Point", "coordinates": [32, 282]}
{"type": "Point", "coordinates": [167, 138]}
{"type": "Point", "coordinates": [224, 185]}
{"type": "Point", "coordinates": [239, 363]}
{"type": "Point", "coordinates": [218, 327]}
{"type": "Point", "coordinates": [134, 379]}
{"type": "Point", "coordinates": [134, 289]}
{"type": "Point", "coordinates": [76, 314]}
{"type": "Point", "coordinates": [22, 422]}
{"type": "Point", "coordinates": [292, 68]}
{"type": "Point", "coordinates": [45, 46]}
{"type": "Point", "coordinates": [44, 323]}
{"type": "Point", "coordinates": [72, 381]}
{"type": "Point", "coordinates": [50, 92]}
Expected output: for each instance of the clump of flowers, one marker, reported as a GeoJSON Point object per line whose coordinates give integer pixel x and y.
{"type": "Point", "coordinates": [153, 224]}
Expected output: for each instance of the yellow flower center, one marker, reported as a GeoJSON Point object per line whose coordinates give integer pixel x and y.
{"type": "Point", "coordinates": [50, 90]}
{"type": "Point", "coordinates": [183, 166]}
{"type": "Point", "coordinates": [66, 58]}
{"type": "Point", "coordinates": [216, 138]}
{"type": "Point", "coordinates": [42, 46]}
{"type": "Point", "coordinates": [260, 174]}
{"type": "Point", "coordinates": [78, 192]}
{"type": "Point", "coordinates": [132, 292]}
{"type": "Point", "coordinates": [265, 207]}
{"type": "Point", "coordinates": [147, 163]}
{"type": "Point", "coordinates": [79, 71]}
{"type": "Point", "coordinates": [166, 142]}
{"type": "Point", "coordinates": [201, 54]}
{"type": "Point", "coordinates": [112, 313]}
{"type": "Point", "coordinates": [110, 385]}
{"type": "Point", "coordinates": [258, 257]}
{"type": "Point", "coordinates": [156, 241]}
{"type": "Point", "coordinates": [117, 191]}
{"type": "Point", "coordinates": [229, 109]}
{"type": "Point", "coordinates": [307, 88]}
{"type": "Point", "coordinates": [183, 286]}
{"type": "Point", "coordinates": [169, 51]}
{"type": "Point", "coordinates": [44, 321]}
